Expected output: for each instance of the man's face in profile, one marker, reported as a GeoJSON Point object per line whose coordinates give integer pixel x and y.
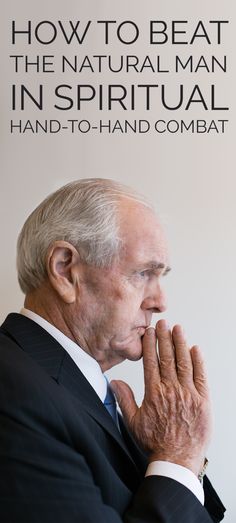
{"type": "Point", "coordinates": [116, 304]}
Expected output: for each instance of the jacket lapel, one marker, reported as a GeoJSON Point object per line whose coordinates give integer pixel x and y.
{"type": "Point", "coordinates": [75, 382]}
{"type": "Point", "coordinates": [56, 362]}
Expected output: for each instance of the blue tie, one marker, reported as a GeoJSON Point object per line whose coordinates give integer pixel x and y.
{"type": "Point", "coordinates": [110, 404]}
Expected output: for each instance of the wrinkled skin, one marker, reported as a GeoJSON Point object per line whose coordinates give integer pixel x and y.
{"type": "Point", "coordinates": [174, 421]}
{"type": "Point", "coordinates": [106, 312]}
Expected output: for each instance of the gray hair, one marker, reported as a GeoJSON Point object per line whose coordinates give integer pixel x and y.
{"type": "Point", "coordinates": [83, 213]}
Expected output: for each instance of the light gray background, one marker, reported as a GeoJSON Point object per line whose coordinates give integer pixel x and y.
{"type": "Point", "coordinates": [190, 178]}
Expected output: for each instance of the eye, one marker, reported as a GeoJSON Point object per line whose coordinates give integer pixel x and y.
{"type": "Point", "coordinates": [145, 273]}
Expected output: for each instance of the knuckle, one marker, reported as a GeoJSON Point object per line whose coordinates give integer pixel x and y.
{"type": "Point", "coordinates": [167, 362]}
{"type": "Point", "coordinates": [184, 367]}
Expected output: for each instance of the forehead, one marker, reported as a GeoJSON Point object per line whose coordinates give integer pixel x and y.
{"type": "Point", "coordinates": [143, 237]}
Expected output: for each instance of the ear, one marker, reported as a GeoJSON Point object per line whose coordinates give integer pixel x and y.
{"type": "Point", "coordinates": [63, 268]}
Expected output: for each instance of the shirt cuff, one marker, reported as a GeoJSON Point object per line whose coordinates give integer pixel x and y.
{"type": "Point", "coordinates": [178, 473]}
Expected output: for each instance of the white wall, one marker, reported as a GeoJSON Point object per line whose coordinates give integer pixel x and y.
{"type": "Point", "coordinates": [190, 178]}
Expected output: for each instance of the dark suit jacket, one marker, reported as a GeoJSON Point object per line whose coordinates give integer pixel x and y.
{"type": "Point", "coordinates": [62, 458]}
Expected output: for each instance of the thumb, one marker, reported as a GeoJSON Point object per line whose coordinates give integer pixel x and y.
{"type": "Point", "coordinates": [125, 398]}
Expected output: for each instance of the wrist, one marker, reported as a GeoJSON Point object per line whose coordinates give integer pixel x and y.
{"type": "Point", "coordinates": [196, 466]}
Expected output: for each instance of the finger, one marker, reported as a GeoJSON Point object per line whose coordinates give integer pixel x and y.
{"type": "Point", "coordinates": [166, 352]}
{"type": "Point", "coordinates": [183, 357]}
{"type": "Point", "coordinates": [199, 372]}
{"type": "Point", "coordinates": [126, 400]}
{"type": "Point", "coordinates": [150, 359]}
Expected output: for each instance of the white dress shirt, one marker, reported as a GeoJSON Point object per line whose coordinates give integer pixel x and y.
{"type": "Point", "coordinates": [93, 373]}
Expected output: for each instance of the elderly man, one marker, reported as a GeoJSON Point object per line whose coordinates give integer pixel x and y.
{"type": "Point", "coordinates": [90, 261]}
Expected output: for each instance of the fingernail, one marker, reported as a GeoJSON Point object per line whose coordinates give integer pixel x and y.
{"type": "Point", "coordinates": [150, 331]}
{"type": "Point", "coordinates": [162, 325]}
{"type": "Point", "coordinates": [179, 330]}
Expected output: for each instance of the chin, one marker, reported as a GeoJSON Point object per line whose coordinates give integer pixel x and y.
{"type": "Point", "coordinates": [134, 352]}
{"type": "Point", "coordinates": [130, 351]}
{"type": "Point", "coordinates": [128, 348]}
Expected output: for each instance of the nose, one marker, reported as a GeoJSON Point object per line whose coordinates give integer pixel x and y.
{"type": "Point", "coordinates": [156, 301]}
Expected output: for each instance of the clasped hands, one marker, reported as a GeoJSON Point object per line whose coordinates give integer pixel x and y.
{"type": "Point", "coordinates": [174, 421]}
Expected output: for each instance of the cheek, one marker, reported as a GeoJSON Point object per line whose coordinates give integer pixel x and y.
{"type": "Point", "coordinates": [125, 309]}
{"type": "Point", "coordinates": [112, 304]}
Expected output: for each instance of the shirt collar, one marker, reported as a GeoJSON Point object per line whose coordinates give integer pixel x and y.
{"type": "Point", "coordinates": [86, 363]}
